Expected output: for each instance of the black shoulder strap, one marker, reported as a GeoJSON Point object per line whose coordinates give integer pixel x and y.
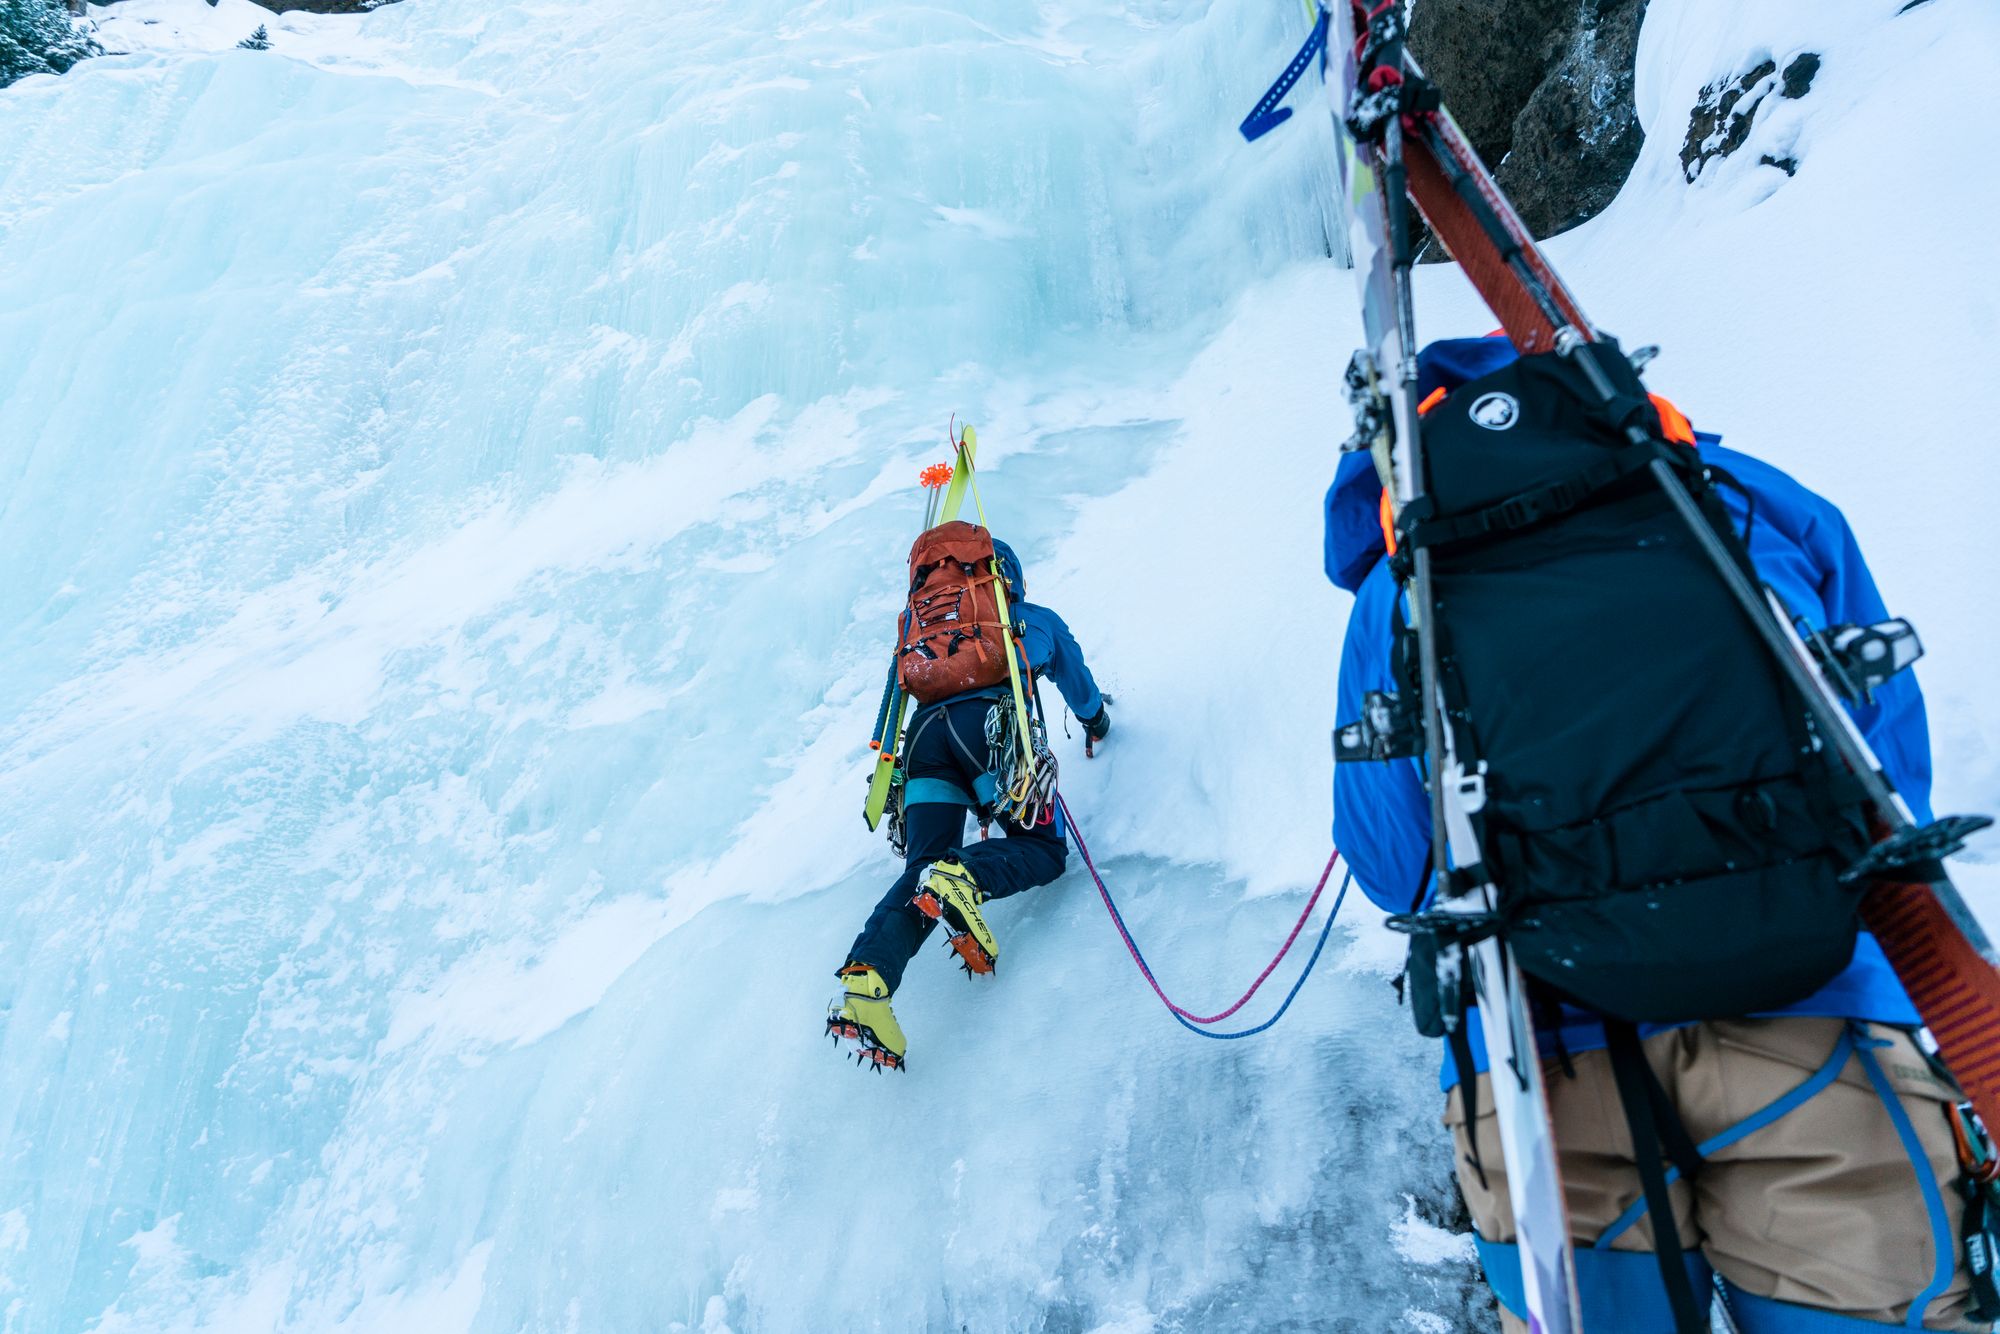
{"type": "Point", "coordinates": [1640, 1092]}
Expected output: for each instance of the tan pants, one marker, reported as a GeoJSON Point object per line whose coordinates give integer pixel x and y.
{"type": "Point", "coordinates": [1821, 1208]}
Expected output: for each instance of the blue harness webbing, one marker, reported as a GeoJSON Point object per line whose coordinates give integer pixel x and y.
{"type": "Point", "coordinates": [1624, 1286]}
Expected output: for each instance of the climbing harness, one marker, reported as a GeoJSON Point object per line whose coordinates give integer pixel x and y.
{"type": "Point", "coordinates": [1187, 1018]}
{"type": "Point", "coordinates": [1855, 1043]}
{"type": "Point", "coordinates": [1979, 1185]}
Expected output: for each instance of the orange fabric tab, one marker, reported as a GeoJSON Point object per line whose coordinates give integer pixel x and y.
{"type": "Point", "coordinates": [1431, 400]}
{"type": "Point", "coordinates": [1673, 422]}
{"type": "Point", "coordinates": [1388, 523]}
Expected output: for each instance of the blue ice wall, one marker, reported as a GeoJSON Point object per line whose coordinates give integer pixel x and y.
{"type": "Point", "coordinates": [453, 485]}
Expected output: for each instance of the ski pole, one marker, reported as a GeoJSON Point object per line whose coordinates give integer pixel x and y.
{"type": "Point", "coordinates": [882, 712]}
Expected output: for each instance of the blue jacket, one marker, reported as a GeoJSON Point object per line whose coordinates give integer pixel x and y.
{"type": "Point", "coordinates": [1051, 650]}
{"type": "Point", "coordinates": [1803, 548]}
{"type": "Point", "coordinates": [1053, 656]}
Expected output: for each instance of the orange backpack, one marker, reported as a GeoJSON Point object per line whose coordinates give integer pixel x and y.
{"type": "Point", "coordinates": [951, 636]}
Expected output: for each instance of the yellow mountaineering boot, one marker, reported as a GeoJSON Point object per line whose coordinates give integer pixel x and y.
{"type": "Point", "coordinates": [863, 1017]}
{"type": "Point", "coordinates": [949, 894]}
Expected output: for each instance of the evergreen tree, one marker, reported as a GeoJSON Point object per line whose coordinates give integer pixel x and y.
{"type": "Point", "coordinates": [38, 37]}
{"type": "Point", "coordinates": [259, 40]}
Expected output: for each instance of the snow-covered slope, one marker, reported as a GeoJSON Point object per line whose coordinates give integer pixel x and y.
{"type": "Point", "coordinates": [456, 467]}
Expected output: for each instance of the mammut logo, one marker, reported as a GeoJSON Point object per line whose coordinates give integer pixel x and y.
{"type": "Point", "coordinates": [1496, 412]}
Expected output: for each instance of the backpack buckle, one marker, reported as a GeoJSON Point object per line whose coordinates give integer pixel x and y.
{"type": "Point", "coordinates": [1516, 513]}
{"type": "Point", "coordinates": [1470, 789]}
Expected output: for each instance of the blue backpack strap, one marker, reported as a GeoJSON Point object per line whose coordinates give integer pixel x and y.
{"type": "Point", "coordinates": [1828, 1071]}
{"type": "Point", "coordinates": [1620, 1289]}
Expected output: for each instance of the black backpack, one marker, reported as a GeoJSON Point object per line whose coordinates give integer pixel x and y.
{"type": "Point", "coordinates": [1666, 831]}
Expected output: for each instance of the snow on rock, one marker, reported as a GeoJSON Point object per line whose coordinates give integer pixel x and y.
{"type": "Point", "coordinates": [458, 466]}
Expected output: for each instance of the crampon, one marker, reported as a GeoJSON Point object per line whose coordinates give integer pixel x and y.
{"type": "Point", "coordinates": [971, 955]}
{"type": "Point", "coordinates": [868, 1049]}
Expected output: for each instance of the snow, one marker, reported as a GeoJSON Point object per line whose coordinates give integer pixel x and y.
{"type": "Point", "coordinates": [454, 474]}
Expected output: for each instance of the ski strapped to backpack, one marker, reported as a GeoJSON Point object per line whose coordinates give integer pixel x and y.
{"type": "Point", "coordinates": [1726, 882]}
{"type": "Point", "coordinates": [944, 492]}
{"type": "Point", "coordinates": [947, 643]}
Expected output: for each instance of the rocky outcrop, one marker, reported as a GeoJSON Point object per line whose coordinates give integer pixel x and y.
{"type": "Point", "coordinates": [1543, 88]}
{"type": "Point", "coordinates": [1727, 108]}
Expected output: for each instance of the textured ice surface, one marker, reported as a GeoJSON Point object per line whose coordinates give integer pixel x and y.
{"type": "Point", "coordinates": [454, 469]}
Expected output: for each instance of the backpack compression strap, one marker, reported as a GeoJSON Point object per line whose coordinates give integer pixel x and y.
{"type": "Point", "coordinates": [1532, 507]}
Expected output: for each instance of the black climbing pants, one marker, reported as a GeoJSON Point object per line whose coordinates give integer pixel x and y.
{"type": "Point", "coordinates": [948, 743]}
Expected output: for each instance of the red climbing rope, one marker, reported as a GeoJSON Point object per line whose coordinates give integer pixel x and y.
{"type": "Point", "coordinates": [1118, 920]}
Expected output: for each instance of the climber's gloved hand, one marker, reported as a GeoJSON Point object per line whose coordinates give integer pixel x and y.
{"type": "Point", "coordinates": [1096, 727]}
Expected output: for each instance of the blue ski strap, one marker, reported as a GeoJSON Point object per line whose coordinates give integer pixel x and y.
{"type": "Point", "coordinates": [1267, 115]}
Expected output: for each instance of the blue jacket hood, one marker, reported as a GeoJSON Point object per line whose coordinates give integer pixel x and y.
{"type": "Point", "coordinates": [1451, 362]}
{"type": "Point", "coordinates": [1354, 501]}
{"type": "Point", "coordinates": [1353, 521]}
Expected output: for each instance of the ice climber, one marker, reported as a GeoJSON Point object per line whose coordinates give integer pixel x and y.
{"type": "Point", "coordinates": [1826, 1198]}
{"type": "Point", "coordinates": [948, 774]}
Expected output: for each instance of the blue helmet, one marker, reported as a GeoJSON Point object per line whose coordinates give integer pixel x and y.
{"type": "Point", "coordinates": [1010, 569]}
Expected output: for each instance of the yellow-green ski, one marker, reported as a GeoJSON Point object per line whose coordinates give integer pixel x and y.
{"type": "Point", "coordinates": [891, 738]}
{"type": "Point", "coordinates": [961, 475]}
